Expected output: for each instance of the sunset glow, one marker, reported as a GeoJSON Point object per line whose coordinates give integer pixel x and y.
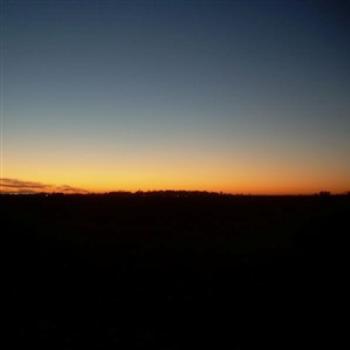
{"type": "Point", "coordinates": [237, 97]}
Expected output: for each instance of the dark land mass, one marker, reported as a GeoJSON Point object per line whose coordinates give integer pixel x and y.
{"type": "Point", "coordinates": [176, 270]}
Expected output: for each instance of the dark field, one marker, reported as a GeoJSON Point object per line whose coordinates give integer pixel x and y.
{"type": "Point", "coordinates": [175, 271]}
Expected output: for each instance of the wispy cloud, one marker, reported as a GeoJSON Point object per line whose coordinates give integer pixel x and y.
{"type": "Point", "coordinates": [17, 186]}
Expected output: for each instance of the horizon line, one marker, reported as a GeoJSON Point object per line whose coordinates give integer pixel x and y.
{"type": "Point", "coordinates": [17, 186]}
{"type": "Point", "coordinates": [175, 192]}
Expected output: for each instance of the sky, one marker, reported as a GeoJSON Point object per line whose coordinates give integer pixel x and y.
{"type": "Point", "coordinates": [232, 96]}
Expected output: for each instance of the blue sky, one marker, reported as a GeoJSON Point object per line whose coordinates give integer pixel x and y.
{"type": "Point", "coordinates": [247, 93]}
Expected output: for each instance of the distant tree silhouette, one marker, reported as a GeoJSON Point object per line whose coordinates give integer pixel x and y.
{"type": "Point", "coordinates": [324, 194]}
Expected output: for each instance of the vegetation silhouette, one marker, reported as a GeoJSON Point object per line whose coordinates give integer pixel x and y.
{"type": "Point", "coordinates": [175, 269]}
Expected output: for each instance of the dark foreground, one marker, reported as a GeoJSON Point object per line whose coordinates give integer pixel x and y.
{"type": "Point", "coordinates": [168, 272]}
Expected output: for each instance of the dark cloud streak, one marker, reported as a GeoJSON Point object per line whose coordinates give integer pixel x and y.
{"type": "Point", "coordinates": [17, 186]}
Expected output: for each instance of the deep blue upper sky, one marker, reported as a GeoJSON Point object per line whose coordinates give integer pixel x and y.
{"type": "Point", "coordinates": [229, 87]}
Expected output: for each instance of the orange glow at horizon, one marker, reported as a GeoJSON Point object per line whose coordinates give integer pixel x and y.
{"type": "Point", "coordinates": [229, 179]}
{"type": "Point", "coordinates": [102, 169]}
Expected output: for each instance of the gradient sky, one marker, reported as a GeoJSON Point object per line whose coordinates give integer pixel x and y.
{"type": "Point", "coordinates": [234, 96]}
